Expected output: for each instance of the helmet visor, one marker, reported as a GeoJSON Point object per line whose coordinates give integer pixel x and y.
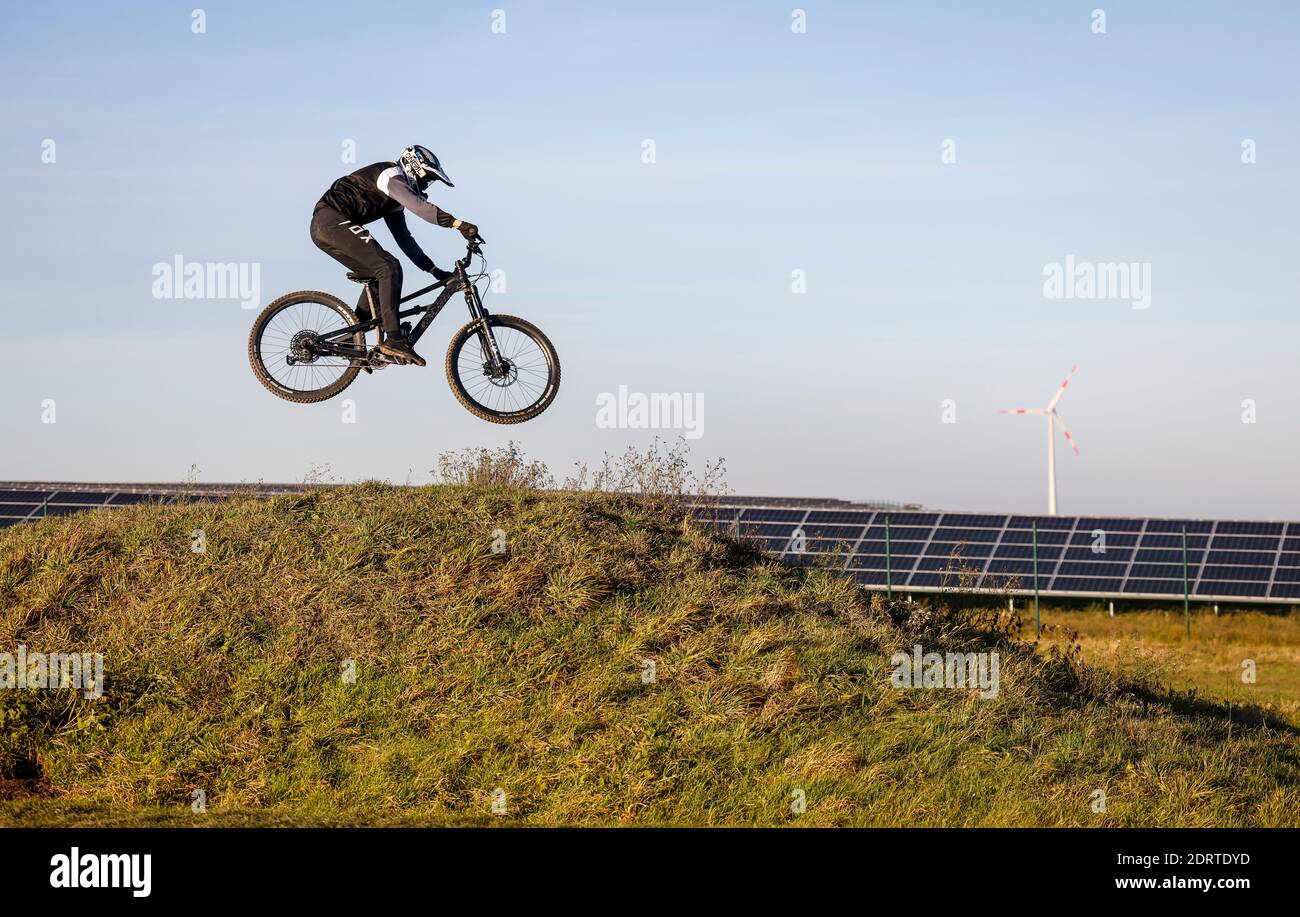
{"type": "Point", "coordinates": [430, 167]}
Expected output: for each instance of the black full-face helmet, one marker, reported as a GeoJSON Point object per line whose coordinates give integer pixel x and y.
{"type": "Point", "coordinates": [422, 167]}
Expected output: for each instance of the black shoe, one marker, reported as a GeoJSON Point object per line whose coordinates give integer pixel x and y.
{"type": "Point", "coordinates": [400, 349]}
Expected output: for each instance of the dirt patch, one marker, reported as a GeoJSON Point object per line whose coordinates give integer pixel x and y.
{"type": "Point", "coordinates": [22, 788]}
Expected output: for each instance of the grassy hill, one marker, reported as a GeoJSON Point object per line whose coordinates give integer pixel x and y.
{"type": "Point", "coordinates": [528, 671]}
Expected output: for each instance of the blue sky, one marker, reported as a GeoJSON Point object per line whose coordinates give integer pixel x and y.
{"type": "Point", "coordinates": [775, 152]}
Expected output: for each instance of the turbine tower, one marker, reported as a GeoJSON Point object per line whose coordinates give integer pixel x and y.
{"type": "Point", "coordinates": [1053, 418]}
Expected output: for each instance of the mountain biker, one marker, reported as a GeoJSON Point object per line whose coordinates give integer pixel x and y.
{"type": "Point", "coordinates": [384, 189]}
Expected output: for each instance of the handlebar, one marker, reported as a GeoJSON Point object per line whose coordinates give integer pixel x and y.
{"type": "Point", "coordinates": [471, 249]}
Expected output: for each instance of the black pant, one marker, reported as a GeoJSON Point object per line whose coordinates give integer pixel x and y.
{"type": "Point", "coordinates": [357, 249]}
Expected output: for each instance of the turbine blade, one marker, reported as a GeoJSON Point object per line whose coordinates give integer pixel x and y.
{"type": "Point", "coordinates": [1068, 438]}
{"type": "Point", "coordinates": [1064, 385]}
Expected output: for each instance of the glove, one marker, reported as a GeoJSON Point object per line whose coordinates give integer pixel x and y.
{"type": "Point", "coordinates": [438, 273]}
{"type": "Point", "coordinates": [468, 230]}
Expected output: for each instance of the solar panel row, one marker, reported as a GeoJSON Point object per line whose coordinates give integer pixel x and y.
{"type": "Point", "coordinates": [1088, 555]}
{"type": "Point", "coordinates": [18, 506]}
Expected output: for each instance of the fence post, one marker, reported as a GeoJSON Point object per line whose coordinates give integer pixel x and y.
{"type": "Point", "coordinates": [1187, 598]}
{"type": "Point", "coordinates": [1038, 618]}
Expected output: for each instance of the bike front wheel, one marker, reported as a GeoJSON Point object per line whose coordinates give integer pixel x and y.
{"type": "Point", "coordinates": [520, 391]}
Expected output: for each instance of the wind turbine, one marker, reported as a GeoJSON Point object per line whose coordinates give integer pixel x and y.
{"type": "Point", "coordinates": [1053, 418]}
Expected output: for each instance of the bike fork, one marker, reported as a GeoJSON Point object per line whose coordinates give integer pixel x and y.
{"type": "Point", "coordinates": [487, 340]}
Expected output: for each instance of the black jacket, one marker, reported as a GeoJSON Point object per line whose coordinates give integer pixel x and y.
{"type": "Point", "coordinates": [382, 190]}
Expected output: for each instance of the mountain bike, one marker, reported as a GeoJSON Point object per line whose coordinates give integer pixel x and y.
{"type": "Point", "coordinates": [308, 346]}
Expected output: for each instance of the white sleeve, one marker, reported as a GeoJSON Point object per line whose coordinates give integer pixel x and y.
{"type": "Point", "coordinates": [392, 183]}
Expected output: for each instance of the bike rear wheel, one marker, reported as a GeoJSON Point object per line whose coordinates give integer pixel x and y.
{"type": "Point", "coordinates": [529, 383]}
{"type": "Point", "coordinates": [280, 347]}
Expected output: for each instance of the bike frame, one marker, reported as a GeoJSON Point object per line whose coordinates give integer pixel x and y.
{"type": "Point", "coordinates": [478, 313]}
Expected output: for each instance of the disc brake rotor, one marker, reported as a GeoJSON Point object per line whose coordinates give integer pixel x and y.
{"type": "Point", "coordinates": [507, 376]}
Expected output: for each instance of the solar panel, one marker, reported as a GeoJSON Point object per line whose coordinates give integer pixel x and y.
{"type": "Point", "coordinates": [1018, 567]}
{"type": "Point", "coordinates": [766, 528]}
{"type": "Point", "coordinates": [60, 509]}
{"type": "Point", "coordinates": [1237, 573]}
{"type": "Point", "coordinates": [1244, 590]}
{"type": "Point", "coordinates": [1088, 584]}
{"type": "Point", "coordinates": [952, 580]}
{"type": "Point", "coordinates": [126, 499]}
{"type": "Point", "coordinates": [773, 515]}
{"type": "Point", "coordinates": [1162, 556]}
{"type": "Point", "coordinates": [846, 517]}
{"type": "Point", "coordinates": [1043, 522]}
{"type": "Point", "coordinates": [1106, 538]}
{"type": "Point", "coordinates": [1002, 581]}
{"type": "Point", "coordinates": [1111, 525]}
{"type": "Point", "coordinates": [953, 561]}
{"type": "Point", "coordinates": [23, 496]}
{"type": "Point", "coordinates": [958, 549]}
{"type": "Point", "coordinates": [85, 498]}
{"type": "Point", "coordinates": [1163, 571]}
{"type": "Point", "coordinates": [895, 547]}
{"type": "Point", "coordinates": [974, 520]}
{"type": "Point", "coordinates": [1091, 569]}
{"type": "Point", "coordinates": [1193, 526]}
{"type": "Point", "coordinates": [18, 509]}
{"type": "Point", "coordinates": [1025, 536]}
{"type": "Point", "coordinates": [1239, 543]}
{"type": "Point", "coordinates": [873, 562]}
{"type": "Point", "coordinates": [1154, 586]}
{"type": "Point", "coordinates": [832, 531]}
{"type": "Point", "coordinates": [1273, 529]}
{"type": "Point", "coordinates": [1174, 541]}
{"type": "Point", "coordinates": [1250, 558]}
{"type": "Point", "coordinates": [899, 532]}
{"type": "Point", "coordinates": [1111, 553]}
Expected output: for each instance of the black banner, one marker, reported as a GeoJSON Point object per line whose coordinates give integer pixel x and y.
{"type": "Point", "coordinates": [945, 868]}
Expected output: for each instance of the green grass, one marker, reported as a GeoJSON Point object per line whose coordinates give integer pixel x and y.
{"type": "Point", "coordinates": [1210, 663]}
{"type": "Point", "coordinates": [523, 671]}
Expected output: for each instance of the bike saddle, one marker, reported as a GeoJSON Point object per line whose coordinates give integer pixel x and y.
{"type": "Point", "coordinates": [360, 278]}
